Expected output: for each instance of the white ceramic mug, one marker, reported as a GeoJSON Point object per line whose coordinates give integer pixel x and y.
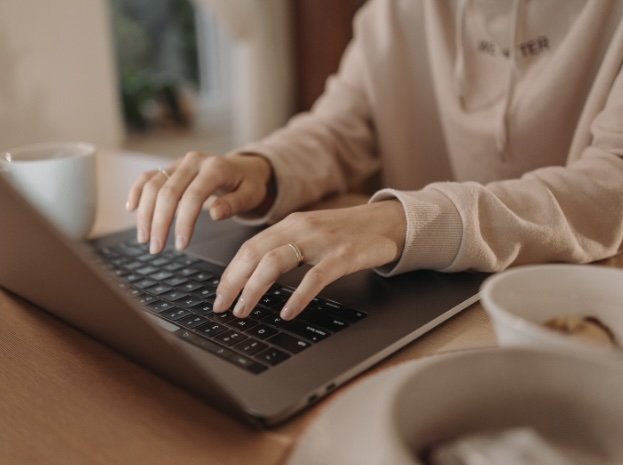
{"type": "Point", "coordinates": [59, 179]}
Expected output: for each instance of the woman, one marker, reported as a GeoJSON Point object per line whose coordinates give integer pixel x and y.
{"type": "Point", "coordinates": [496, 125]}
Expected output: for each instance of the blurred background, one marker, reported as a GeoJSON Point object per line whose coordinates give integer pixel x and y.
{"type": "Point", "coordinates": [163, 76]}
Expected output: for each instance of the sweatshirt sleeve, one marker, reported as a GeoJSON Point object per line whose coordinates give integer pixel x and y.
{"type": "Point", "coordinates": [571, 213]}
{"type": "Point", "coordinates": [327, 149]}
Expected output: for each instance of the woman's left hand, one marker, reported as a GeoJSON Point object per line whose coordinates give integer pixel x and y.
{"type": "Point", "coordinates": [335, 242]}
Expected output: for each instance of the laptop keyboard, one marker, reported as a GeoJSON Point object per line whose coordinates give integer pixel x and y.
{"type": "Point", "coordinates": [180, 289]}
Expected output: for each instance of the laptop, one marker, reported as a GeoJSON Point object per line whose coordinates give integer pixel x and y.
{"type": "Point", "coordinates": [156, 310]}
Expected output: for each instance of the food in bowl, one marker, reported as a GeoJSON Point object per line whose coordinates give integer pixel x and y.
{"type": "Point", "coordinates": [586, 328]}
{"type": "Point", "coordinates": [522, 300]}
{"type": "Point", "coordinates": [514, 446]}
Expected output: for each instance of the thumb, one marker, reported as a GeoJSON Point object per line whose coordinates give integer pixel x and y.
{"type": "Point", "coordinates": [233, 203]}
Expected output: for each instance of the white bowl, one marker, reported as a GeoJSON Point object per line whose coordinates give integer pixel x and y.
{"type": "Point", "coordinates": [573, 403]}
{"type": "Point", "coordinates": [520, 300]}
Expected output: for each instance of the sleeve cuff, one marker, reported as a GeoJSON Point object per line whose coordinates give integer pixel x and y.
{"type": "Point", "coordinates": [434, 230]}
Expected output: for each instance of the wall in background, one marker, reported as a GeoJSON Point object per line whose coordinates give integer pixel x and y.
{"type": "Point", "coordinates": [57, 73]}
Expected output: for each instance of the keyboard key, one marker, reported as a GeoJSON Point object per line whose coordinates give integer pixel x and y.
{"type": "Point", "coordinates": [282, 291]}
{"type": "Point", "coordinates": [202, 276]}
{"type": "Point", "coordinates": [211, 329]}
{"type": "Point", "coordinates": [159, 306]}
{"type": "Point", "coordinates": [147, 270]}
{"type": "Point", "coordinates": [159, 289]}
{"type": "Point", "coordinates": [144, 284]}
{"type": "Point", "coordinates": [192, 321]}
{"type": "Point", "coordinates": [175, 281]}
{"type": "Point", "coordinates": [132, 278]}
{"type": "Point", "coordinates": [247, 364]}
{"type": "Point", "coordinates": [333, 308]}
{"type": "Point", "coordinates": [223, 317]}
{"type": "Point", "coordinates": [204, 293]}
{"type": "Point", "coordinates": [188, 261]}
{"type": "Point", "coordinates": [129, 251]}
{"type": "Point", "coordinates": [175, 313]}
{"type": "Point", "coordinates": [259, 313]}
{"type": "Point", "coordinates": [272, 301]}
{"type": "Point", "coordinates": [230, 337]}
{"type": "Point", "coordinates": [189, 302]}
{"type": "Point", "coordinates": [174, 295]}
{"type": "Point", "coordinates": [310, 332]}
{"type": "Point", "coordinates": [174, 266]}
{"type": "Point", "coordinates": [261, 331]}
{"type": "Point", "coordinates": [323, 319]}
{"type": "Point", "coordinates": [242, 324]}
{"type": "Point", "coordinates": [204, 308]}
{"type": "Point", "coordinates": [274, 320]}
{"type": "Point", "coordinates": [220, 351]}
{"type": "Point", "coordinates": [159, 262]}
{"type": "Point", "coordinates": [132, 266]}
{"type": "Point", "coordinates": [290, 343]}
{"type": "Point", "coordinates": [250, 347]}
{"type": "Point", "coordinates": [120, 261]}
{"type": "Point", "coordinates": [187, 272]}
{"type": "Point", "coordinates": [161, 275]}
{"type": "Point", "coordinates": [190, 286]}
{"type": "Point", "coordinates": [272, 356]}
{"type": "Point", "coordinates": [146, 299]}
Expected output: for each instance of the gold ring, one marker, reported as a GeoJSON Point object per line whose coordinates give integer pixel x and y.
{"type": "Point", "coordinates": [164, 172]}
{"type": "Point", "coordinates": [299, 255]}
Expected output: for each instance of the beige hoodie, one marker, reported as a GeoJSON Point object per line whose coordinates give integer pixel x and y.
{"type": "Point", "coordinates": [500, 155]}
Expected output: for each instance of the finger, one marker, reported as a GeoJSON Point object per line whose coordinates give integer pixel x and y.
{"type": "Point", "coordinates": [146, 204]}
{"type": "Point", "coordinates": [188, 211]}
{"type": "Point", "coordinates": [273, 264]}
{"type": "Point", "coordinates": [314, 281]}
{"type": "Point", "coordinates": [167, 201]}
{"type": "Point", "coordinates": [134, 195]}
{"type": "Point", "coordinates": [243, 199]}
{"type": "Point", "coordinates": [242, 266]}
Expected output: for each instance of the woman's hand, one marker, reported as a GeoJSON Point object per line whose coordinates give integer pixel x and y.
{"type": "Point", "coordinates": [336, 242]}
{"type": "Point", "coordinates": [242, 182]}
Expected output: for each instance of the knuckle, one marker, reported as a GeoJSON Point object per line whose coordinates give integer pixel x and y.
{"type": "Point", "coordinates": [192, 157]}
{"type": "Point", "coordinates": [345, 252]}
{"type": "Point", "coordinates": [270, 261]}
{"type": "Point", "coordinates": [306, 220]}
{"type": "Point", "coordinates": [167, 192]}
{"type": "Point", "coordinates": [213, 162]}
{"type": "Point", "coordinates": [151, 187]}
{"type": "Point", "coordinates": [316, 277]}
{"type": "Point", "coordinates": [193, 195]}
{"type": "Point", "coordinates": [248, 251]}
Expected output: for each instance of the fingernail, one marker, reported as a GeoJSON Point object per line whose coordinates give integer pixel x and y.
{"type": "Point", "coordinates": [218, 304]}
{"type": "Point", "coordinates": [180, 242]}
{"type": "Point", "coordinates": [286, 313]}
{"type": "Point", "coordinates": [239, 308]}
{"type": "Point", "coordinates": [141, 237]}
{"type": "Point", "coordinates": [154, 247]}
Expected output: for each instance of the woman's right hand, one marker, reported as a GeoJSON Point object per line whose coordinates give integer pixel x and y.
{"type": "Point", "coordinates": [242, 183]}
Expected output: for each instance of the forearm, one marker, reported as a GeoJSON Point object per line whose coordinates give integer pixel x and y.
{"type": "Point", "coordinates": [562, 214]}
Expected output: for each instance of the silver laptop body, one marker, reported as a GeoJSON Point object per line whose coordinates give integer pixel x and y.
{"type": "Point", "coordinates": [42, 266]}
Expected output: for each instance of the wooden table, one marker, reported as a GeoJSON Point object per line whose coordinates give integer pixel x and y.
{"type": "Point", "coordinates": [67, 399]}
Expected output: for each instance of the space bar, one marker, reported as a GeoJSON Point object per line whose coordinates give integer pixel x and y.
{"type": "Point", "coordinates": [222, 352]}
